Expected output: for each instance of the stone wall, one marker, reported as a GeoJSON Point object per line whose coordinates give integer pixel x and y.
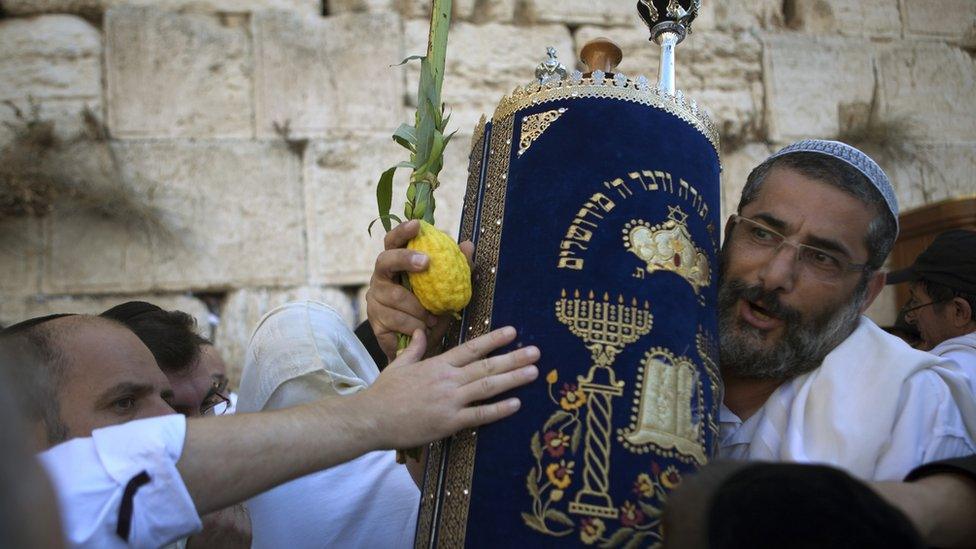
{"type": "Point", "coordinates": [257, 128]}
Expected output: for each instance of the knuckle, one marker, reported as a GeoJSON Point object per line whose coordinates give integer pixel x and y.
{"type": "Point", "coordinates": [487, 366]}
{"type": "Point", "coordinates": [487, 385]}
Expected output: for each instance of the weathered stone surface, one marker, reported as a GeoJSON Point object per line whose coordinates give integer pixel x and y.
{"type": "Point", "coordinates": [21, 246]}
{"type": "Point", "coordinates": [810, 80]}
{"type": "Point", "coordinates": [862, 17]}
{"type": "Point", "coordinates": [341, 201]}
{"type": "Point", "coordinates": [327, 74]}
{"type": "Point", "coordinates": [95, 7]}
{"type": "Point", "coordinates": [927, 173]}
{"type": "Point", "coordinates": [24, 308]}
{"type": "Point", "coordinates": [736, 166]}
{"type": "Point", "coordinates": [953, 20]}
{"type": "Point", "coordinates": [581, 12]}
{"type": "Point", "coordinates": [477, 11]}
{"type": "Point", "coordinates": [244, 226]}
{"type": "Point", "coordinates": [177, 75]}
{"type": "Point", "coordinates": [720, 70]}
{"type": "Point", "coordinates": [53, 64]}
{"type": "Point", "coordinates": [739, 14]}
{"type": "Point", "coordinates": [930, 88]}
{"type": "Point", "coordinates": [243, 309]}
{"type": "Point", "coordinates": [485, 63]}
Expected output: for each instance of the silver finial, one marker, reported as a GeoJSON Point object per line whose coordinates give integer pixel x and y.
{"type": "Point", "coordinates": [551, 69]}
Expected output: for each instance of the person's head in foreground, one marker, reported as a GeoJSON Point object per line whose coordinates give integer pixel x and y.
{"type": "Point", "coordinates": [189, 361]}
{"type": "Point", "coordinates": [801, 258]}
{"type": "Point", "coordinates": [88, 372]}
{"type": "Point", "coordinates": [943, 288]}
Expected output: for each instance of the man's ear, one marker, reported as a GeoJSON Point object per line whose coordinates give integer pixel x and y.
{"type": "Point", "coordinates": [729, 224]}
{"type": "Point", "coordinates": [960, 312]}
{"type": "Point", "coordinates": [875, 285]}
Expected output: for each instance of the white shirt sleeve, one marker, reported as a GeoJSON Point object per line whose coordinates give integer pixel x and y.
{"type": "Point", "coordinates": [929, 428]}
{"type": "Point", "coordinates": [123, 471]}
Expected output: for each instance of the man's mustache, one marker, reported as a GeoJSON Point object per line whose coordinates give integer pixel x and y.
{"type": "Point", "coordinates": [736, 289]}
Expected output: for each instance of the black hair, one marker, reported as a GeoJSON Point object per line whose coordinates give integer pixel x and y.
{"type": "Point", "coordinates": [170, 335]}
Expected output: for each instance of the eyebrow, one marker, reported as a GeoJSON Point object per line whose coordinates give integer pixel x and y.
{"type": "Point", "coordinates": [122, 389]}
{"type": "Point", "coordinates": [826, 244]}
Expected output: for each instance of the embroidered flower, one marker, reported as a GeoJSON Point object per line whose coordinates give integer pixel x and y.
{"type": "Point", "coordinates": [560, 474]}
{"type": "Point", "coordinates": [630, 515]}
{"type": "Point", "coordinates": [644, 486]}
{"type": "Point", "coordinates": [573, 398]}
{"type": "Point", "coordinates": [670, 477]}
{"type": "Point", "coordinates": [556, 495]}
{"type": "Point", "coordinates": [556, 443]}
{"type": "Point", "coordinates": [591, 529]}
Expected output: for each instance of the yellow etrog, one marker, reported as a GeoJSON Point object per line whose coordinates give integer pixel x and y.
{"type": "Point", "coordinates": [445, 287]}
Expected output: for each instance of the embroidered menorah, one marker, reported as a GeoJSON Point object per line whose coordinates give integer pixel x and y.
{"type": "Point", "coordinates": [605, 328]}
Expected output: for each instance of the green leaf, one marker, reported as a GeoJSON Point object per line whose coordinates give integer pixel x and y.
{"type": "Point", "coordinates": [373, 222]}
{"type": "Point", "coordinates": [384, 196]}
{"type": "Point", "coordinates": [406, 136]}
{"type": "Point", "coordinates": [637, 540]}
{"type": "Point", "coordinates": [560, 517]}
{"type": "Point", "coordinates": [532, 522]}
{"type": "Point", "coordinates": [618, 538]}
{"type": "Point", "coordinates": [575, 438]}
{"type": "Point", "coordinates": [649, 510]}
{"type": "Point", "coordinates": [409, 59]}
{"type": "Point", "coordinates": [555, 418]}
{"type": "Point", "coordinates": [532, 485]}
{"type": "Point", "coordinates": [536, 446]}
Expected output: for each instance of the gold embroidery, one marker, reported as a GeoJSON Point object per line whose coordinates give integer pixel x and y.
{"type": "Point", "coordinates": [536, 94]}
{"type": "Point", "coordinates": [664, 419]}
{"type": "Point", "coordinates": [708, 352]}
{"type": "Point", "coordinates": [668, 247]}
{"type": "Point", "coordinates": [458, 469]}
{"type": "Point", "coordinates": [534, 125]}
{"type": "Point", "coordinates": [605, 328]}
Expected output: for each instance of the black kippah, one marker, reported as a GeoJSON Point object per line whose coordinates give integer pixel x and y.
{"type": "Point", "coordinates": [30, 323]}
{"type": "Point", "coordinates": [131, 309]}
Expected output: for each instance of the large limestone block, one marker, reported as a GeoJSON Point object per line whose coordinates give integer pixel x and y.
{"type": "Point", "coordinates": [581, 12]}
{"type": "Point", "coordinates": [340, 179]}
{"type": "Point", "coordinates": [929, 87]}
{"type": "Point", "coordinates": [91, 305]}
{"type": "Point", "coordinates": [862, 17]}
{"type": "Point", "coordinates": [177, 75]}
{"type": "Point", "coordinates": [21, 246]}
{"type": "Point", "coordinates": [319, 75]}
{"type": "Point", "coordinates": [739, 14]}
{"type": "Point", "coordinates": [243, 309]}
{"type": "Point", "coordinates": [736, 166]}
{"type": "Point", "coordinates": [926, 173]}
{"type": "Point", "coordinates": [478, 11]}
{"type": "Point", "coordinates": [235, 213]}
{"type": "Point", "coordinates": [51, 64]}
{"type": "Point", "coordinates": [96, 7]}
{"type": "Point", "coordinates": [485, 63]}
{"type": "Point", "coordinates": [721, 70]}
{"type": "Point", "coordinates": [810, 81]}
{"type": "Point", "coordinates": [953, 20]}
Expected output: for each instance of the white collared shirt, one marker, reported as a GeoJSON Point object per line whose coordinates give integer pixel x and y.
{"type": "Point", "coordinates": [130, 466]}
{"type": "Point", "coordinates": [962, 351]}
{"type": "Point", "coordinates": [929, 428]}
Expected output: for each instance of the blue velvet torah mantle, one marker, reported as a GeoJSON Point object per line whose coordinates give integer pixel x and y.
{"type": "Point", "coordinates": [594, 211]}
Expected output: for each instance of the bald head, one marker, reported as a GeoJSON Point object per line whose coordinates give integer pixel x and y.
{"type": "Point", "coordinates": [89, 372]}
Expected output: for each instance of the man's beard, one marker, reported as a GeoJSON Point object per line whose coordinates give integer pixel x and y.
{"type": "Point", "coordinates": [804, 343]}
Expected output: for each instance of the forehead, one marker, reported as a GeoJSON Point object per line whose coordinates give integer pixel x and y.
{"type": "Point", "coordinates": [811, 207]}
{"type": "Point", "coordinates": [103, 354]}
{"type": "Point", "coordinates": [211, 361]}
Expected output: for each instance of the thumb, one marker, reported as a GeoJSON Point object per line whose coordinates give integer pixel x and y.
{"type": "Point", "coordinates": [415, 351]}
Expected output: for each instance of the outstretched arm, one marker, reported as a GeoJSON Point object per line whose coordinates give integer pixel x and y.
{"type": "Point", "coordinates": [229, 459]}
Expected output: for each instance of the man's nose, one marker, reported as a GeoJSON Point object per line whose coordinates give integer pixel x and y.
{"type": "Point", "coordinates": [779, 273]}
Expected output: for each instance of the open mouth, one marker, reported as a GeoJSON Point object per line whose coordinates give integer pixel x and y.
{"type": "Point", "coordinates": [758, 316]}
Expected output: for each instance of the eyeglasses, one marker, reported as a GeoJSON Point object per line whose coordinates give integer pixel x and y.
{"type": "Point", "coordinates": [754, 237]}
{"type": "Point", "coordinates": [216, 402]}
{"type": "Point", "coordinates": [908, 311]}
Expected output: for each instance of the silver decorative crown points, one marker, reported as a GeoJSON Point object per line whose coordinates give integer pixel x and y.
{"type": "Point", "coordinates": [598, 77]}
{"type": "Point", "coordinates": [551, 68]}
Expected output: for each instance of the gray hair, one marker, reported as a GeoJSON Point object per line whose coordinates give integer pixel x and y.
{"type": "Point", "coordinates": [882, 231]}
{"type": "Point", "coordinates": [38, 368]}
